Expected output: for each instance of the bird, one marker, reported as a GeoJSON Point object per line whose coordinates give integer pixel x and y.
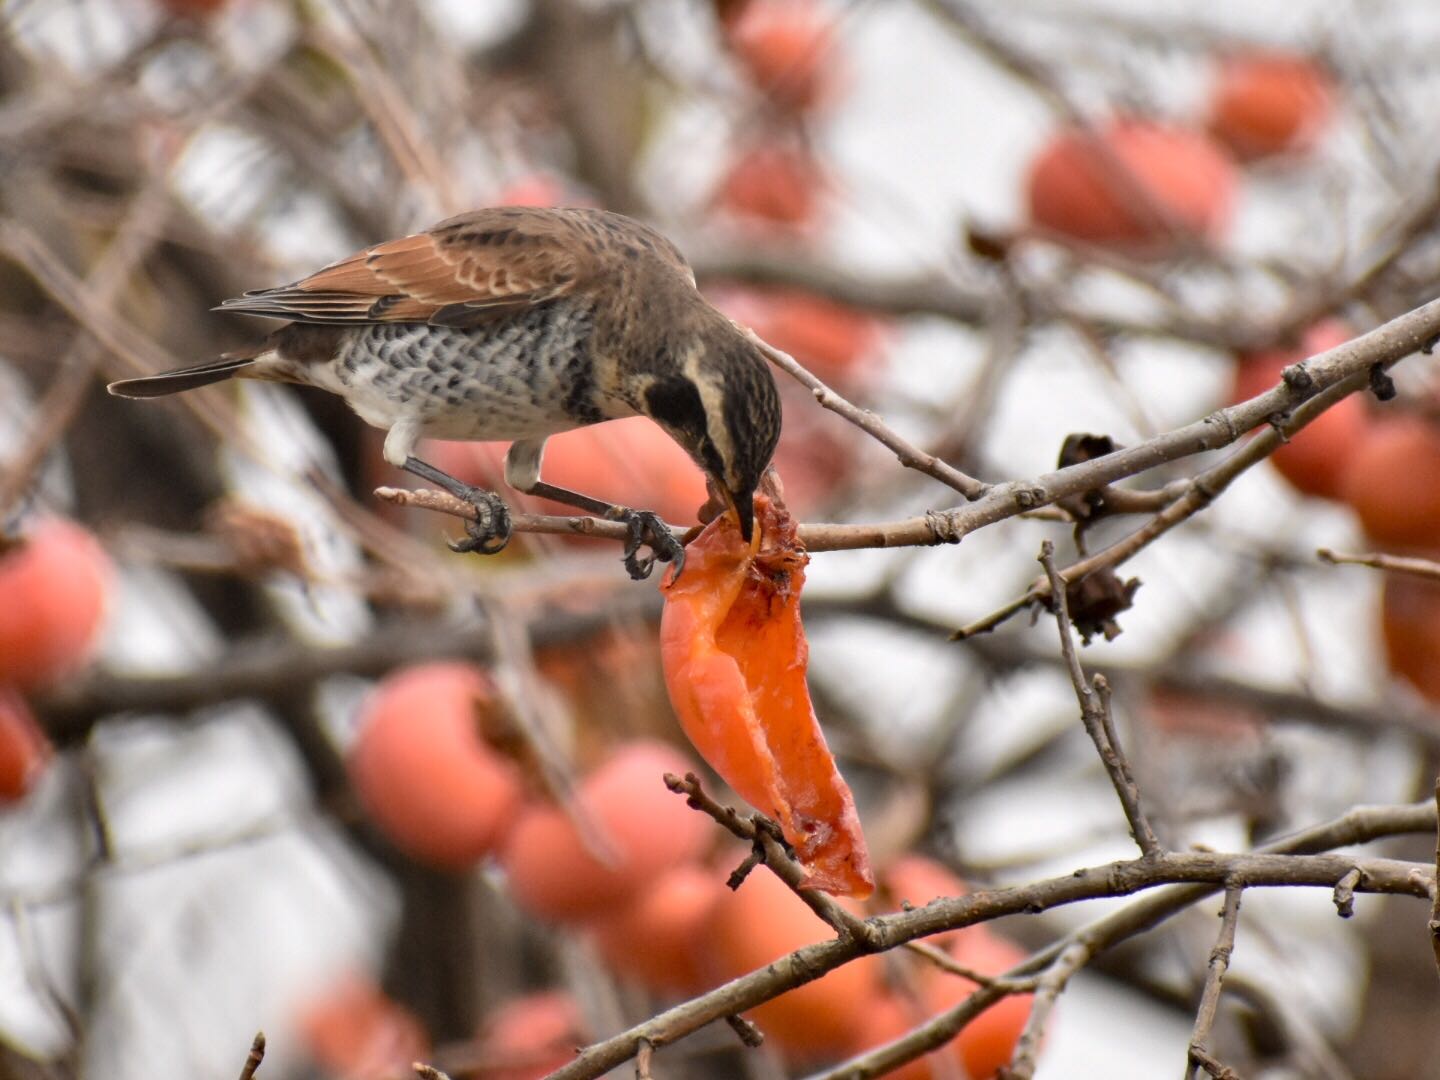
{"type": "Point", "coordinates": [517, 323]}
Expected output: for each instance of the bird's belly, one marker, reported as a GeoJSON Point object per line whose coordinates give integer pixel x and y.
{"type": "Point", "coordinates": [511, 381]}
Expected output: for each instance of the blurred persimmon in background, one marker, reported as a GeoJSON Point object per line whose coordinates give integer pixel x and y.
{"type": "Point", "coordinates": [1269, 103]}
{"type": "Point", "coordinates": [641, 827]}
{"type": "Point", "coordinates": [773, 183]}
{"type": "Point", "coordinates": [1391, 479]}
{"type": "Point", "coordinates": [354, 1031]}
{"type": "Point", "coordinates": [1314, 457]}
{"type": "Point", "coordinates": [25, 750]}
{"type": "Point", "coordinates": [423, 770]}
{"type": "Point", "coordinates": [1092, 186]}
{"type": "Point", "coordinates": [530, 1036]}
{"type": "Point", "coordinates": [786, 49]}
{"type": "Point", "coordinates": [761, 922]}
{"type": "Point", "coordinates": [1410, 630]}
{"type": "Point", "coordinates": [657, 937]}
{"type": "Point", "coordinates": [54, 588]}
{"type": "Point", "coordinates": [631, 462]}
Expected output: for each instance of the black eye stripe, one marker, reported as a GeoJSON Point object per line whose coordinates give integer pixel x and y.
{"type": "Point", "coordinates": [674, 401]}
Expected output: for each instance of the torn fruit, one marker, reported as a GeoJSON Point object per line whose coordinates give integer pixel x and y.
{"type": "Point", "coordinates": [735, 655]}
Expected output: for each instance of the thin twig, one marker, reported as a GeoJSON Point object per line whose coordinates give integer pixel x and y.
{"type": "Point", "coordinates": [1049, 986]}
{"type": "Point", "coordinates": [1434, 925]}
{"type": "Point", "coordinates": [1214, 977]}
{"type": "Point", "coordinates": [750, 1035]}
{"type": "Point", "coordinates": [1212, 1065]}
{"type": "Point", "coordinates": [1344, 895]}
{"type": "Point", "coordinates": [643, 1059]}
{"type": "Point", "coordinates": [1095, 714]}
{"type": "Point", "coordinates": [910, 455]}
{"type": "Point", "coordinates": [1399, 564]}
{"type": "Point", "coordinates": [254, 1057]}
{"type": "Point", "coordinates": [845, 923]}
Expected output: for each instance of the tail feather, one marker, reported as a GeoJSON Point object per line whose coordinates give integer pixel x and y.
{"type": "Point", "coordinates": [173, 382]}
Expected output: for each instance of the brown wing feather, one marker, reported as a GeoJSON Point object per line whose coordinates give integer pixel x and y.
{"type": "Point", "coordinates": [468, 267]}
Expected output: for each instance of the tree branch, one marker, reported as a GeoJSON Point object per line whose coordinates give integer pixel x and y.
{"type": "Point", "coordinates": [1095, 715]}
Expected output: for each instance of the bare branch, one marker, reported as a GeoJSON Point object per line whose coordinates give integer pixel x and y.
{"type": "Point", "coordinates": [1399, 564]}
{"type": "Point", "coordinates": [1214, 976]}
{"type": "Point", "coordinates": [1095, 715]}
{"type": "Point", "coordinates": [1050, 985]}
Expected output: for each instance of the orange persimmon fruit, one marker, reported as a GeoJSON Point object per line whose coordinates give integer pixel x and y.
{"type": "Point", "coordinates": [531, 1036]}
{"type": "Point", "coordinates": [423, 770]}
{"type": "Point", "coordinates": [1313, 459]}
{"type": "Point", "coordinates": [764, 920]}
{"type": "Point", "coordinates": [355, 1031]}
{"type": "Point", "coordinates": [985, 1045]}
{"type": "Point", "coordinates": [656, 939]}
{"type": "Point", "coordinates": [54, 588]}
{"type": "Point", "coordinates": [735, 654]}
{"type": "Point", "coordinates": [786, 48]}
{"type": "Point", "coordinates": [1410, 630]}
{"type": "Point", "coordinates": [1391, 479]}
{"type": "Point", "coordinates": [773, 184]}
{"type": "Point", "coordinates": [646, 828]}
{"type": "Point", "coordinates": [1268, 103]}
{"type": "Point", "coordinates": [1093, 186]}
{"type": "Point", "coordinates": [25, 750]}
{"type": "Point", "coordinates": [889, 1017]}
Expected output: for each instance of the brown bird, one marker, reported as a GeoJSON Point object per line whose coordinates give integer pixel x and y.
{"type": "Point", "coordinates": [517, 323]}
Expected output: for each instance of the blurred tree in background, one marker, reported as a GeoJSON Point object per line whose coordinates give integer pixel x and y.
{"type": "Point", "coordinates": [272, 757]}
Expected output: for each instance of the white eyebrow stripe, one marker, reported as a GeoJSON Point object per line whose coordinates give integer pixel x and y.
{"type": "Point", "coordinates": [712, 397]}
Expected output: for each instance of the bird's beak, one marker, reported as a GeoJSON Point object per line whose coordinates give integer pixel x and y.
{"type": "Point", "coordinates": [743, 503]}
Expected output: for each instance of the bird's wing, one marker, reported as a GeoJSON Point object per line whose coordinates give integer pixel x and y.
{"type": "Point", "coordinates": [459, 273]}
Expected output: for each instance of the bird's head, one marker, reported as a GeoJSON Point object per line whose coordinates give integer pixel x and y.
{"type": "Point", "coordinates": [719, 402]}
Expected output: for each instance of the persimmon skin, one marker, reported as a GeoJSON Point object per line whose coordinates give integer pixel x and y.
{"type": "Point", "coordinates": [424, 773]}
{"type": "Point", "coordinates": [656, 939]}
{"type": "Point", "coordinates": [1072, 187]}
{"type": "Point", "coordinates": [538, 1033]}
{"type": "Point", "coordinates": [357, 1032]}
{"type": "Point", "coordinates": [1391, 480]}
{"type": "Point", "coordinates": [763, 921]}
{"type": "Point", "coordinates": [1269, 103]}
{"type": "Point", "coordinates": [735, 655]}
{"type": "Point", "coordinates": [1313, 459]}
{"type": "Point", "coordinates": [25, 750]}
{"type": "Point", "coordinates": [54, 590]}
{"type": "Point", "coordinates": [554, 875]}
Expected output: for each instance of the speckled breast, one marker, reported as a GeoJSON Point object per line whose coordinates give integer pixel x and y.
{"type": "Point", "coordinates": [519, 376]}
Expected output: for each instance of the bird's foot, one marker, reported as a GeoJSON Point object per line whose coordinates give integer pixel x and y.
{"type": "Point", "coordinates": [646, 529]}
{"type": "Point", "coordinates": [490, 531]}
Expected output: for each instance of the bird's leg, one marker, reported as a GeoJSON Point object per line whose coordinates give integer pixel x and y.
{"type": "Point", "coordinates": [522, 472]}
{"type": "Point", "coordinates": [490, 531]}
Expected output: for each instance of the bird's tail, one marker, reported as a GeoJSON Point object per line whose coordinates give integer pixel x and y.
{"type": "Point", "coordinates": [187, 378]}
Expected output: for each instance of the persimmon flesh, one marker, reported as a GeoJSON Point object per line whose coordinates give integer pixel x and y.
{"type": "Point", "coordinates": [735, 655]}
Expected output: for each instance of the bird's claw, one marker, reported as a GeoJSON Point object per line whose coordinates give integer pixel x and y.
{"type": "Point", "coordinates": [490, 531]}
{"type": "Point", "coordinates": [646, 529]}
